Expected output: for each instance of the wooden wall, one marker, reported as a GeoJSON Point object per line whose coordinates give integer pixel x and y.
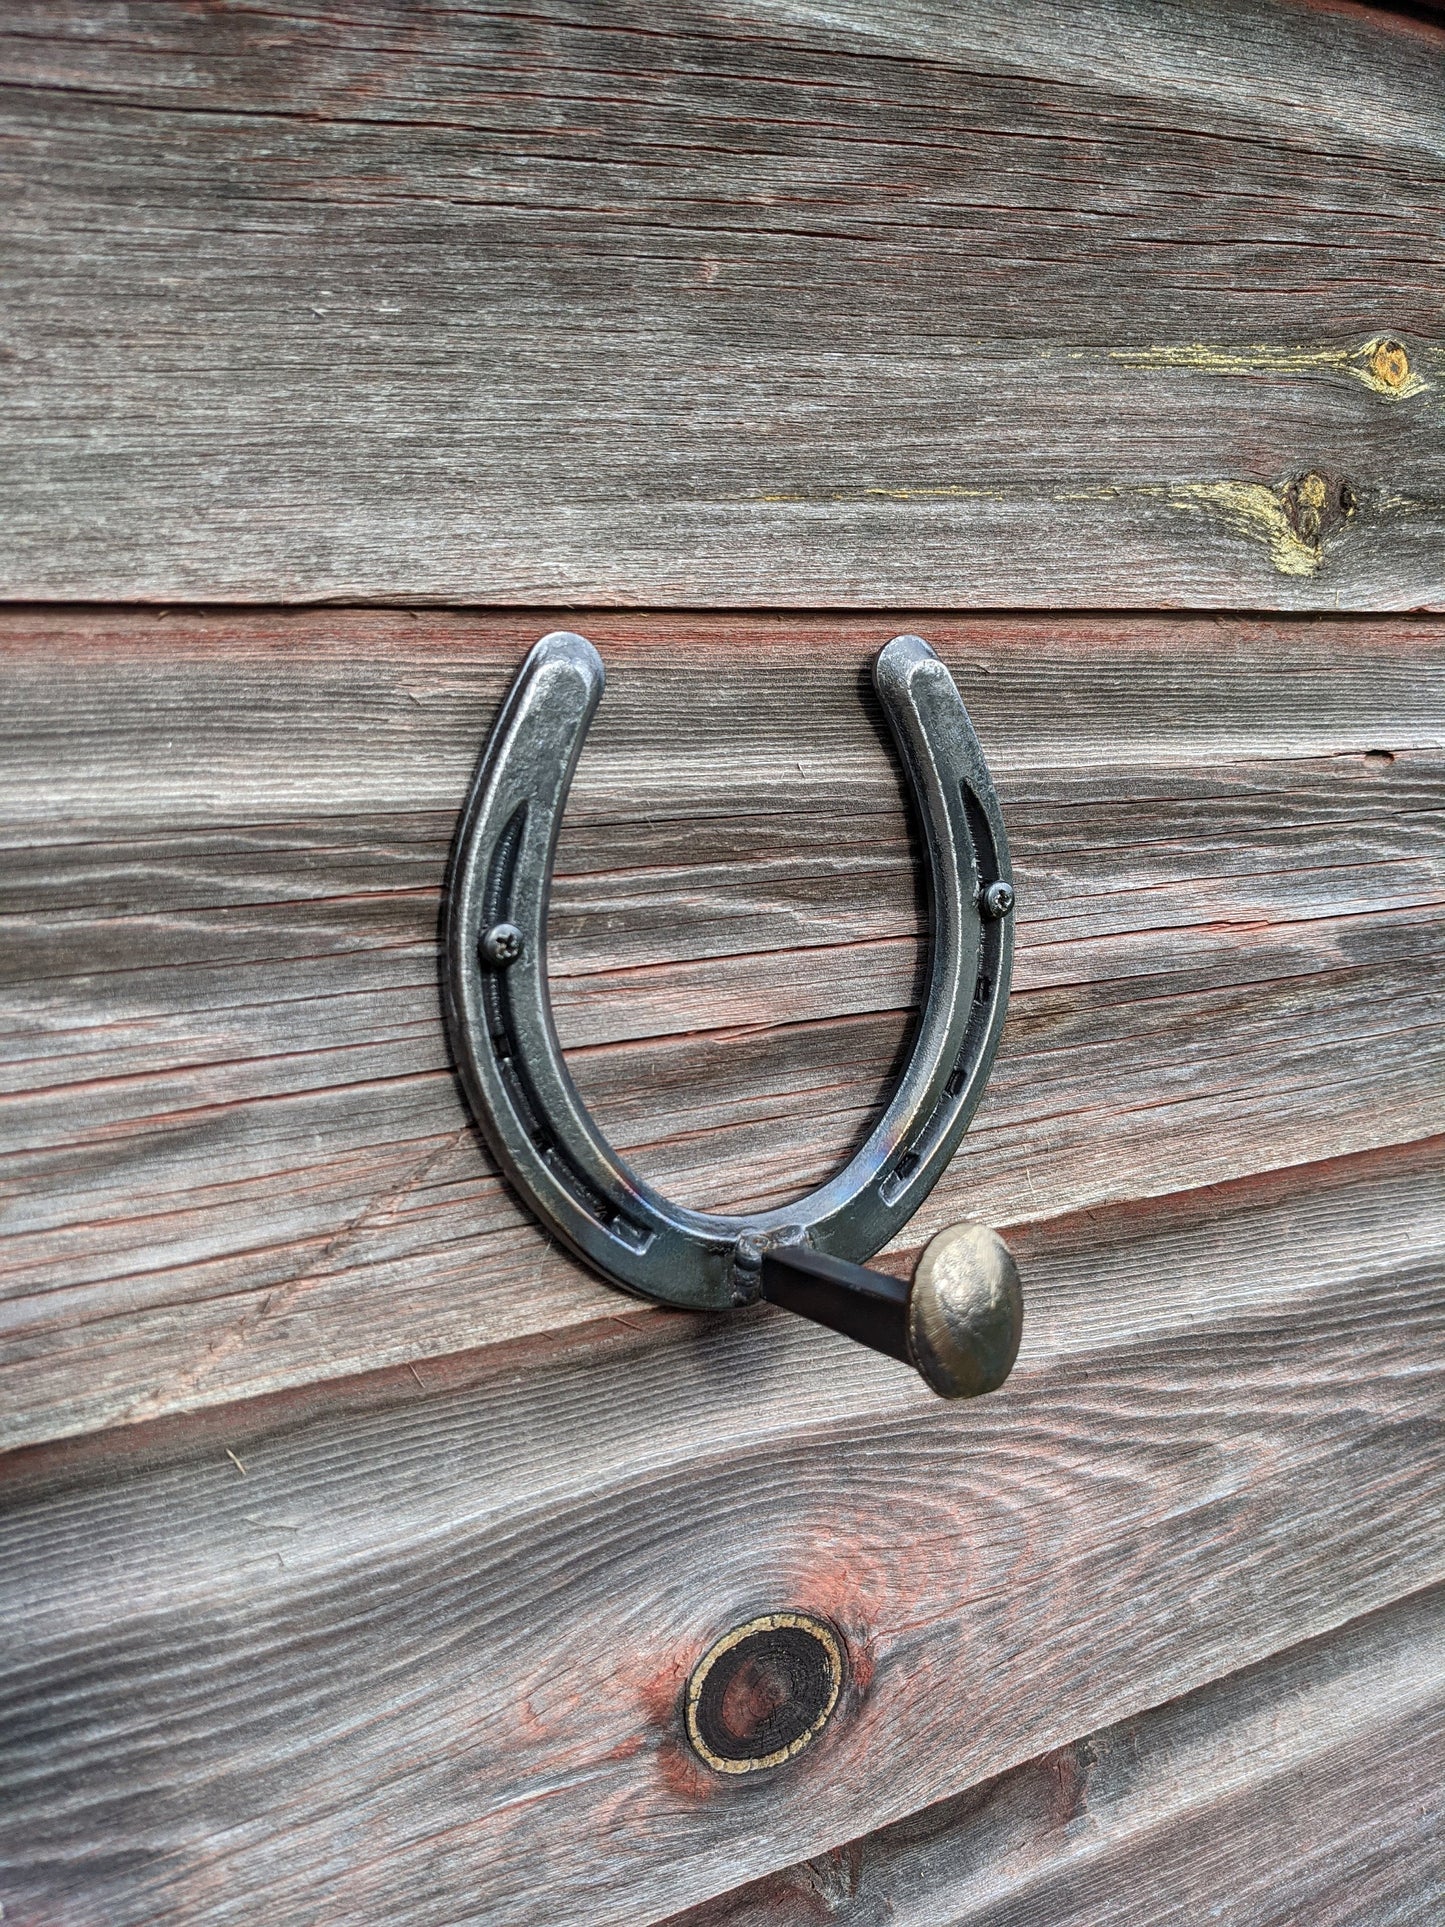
{"type": "Point", "coordinates": [356, 1543]}
{"type": "Point", "coordinates": [246, 1164]}
{"type": "Point", "coordinates": [764, 303]}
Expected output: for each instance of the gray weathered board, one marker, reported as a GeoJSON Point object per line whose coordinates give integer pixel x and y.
{"type": "Point", "coordinates": [238, 1156]}
{"type": "Point", "coordinates": [764, 303]}
{"type": "Point", "coordinates": [419, 1660]}
{"type": "Point", "coordinates": [355, 1545]}
{"type": "Point", "coordinates": [422, 1635]}
{"type": "Point", "coordinates": [1304, 1790]}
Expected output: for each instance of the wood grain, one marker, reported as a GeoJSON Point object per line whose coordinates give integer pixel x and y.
{"type": "Point", "coordinates": [759, 304]}
{"type": "Point", "coordinates": [233, 1154]}
{"type": "Point", "coordinates": [422, 1662]}
{"type": "Point", "coordinates": [1307, 1788]}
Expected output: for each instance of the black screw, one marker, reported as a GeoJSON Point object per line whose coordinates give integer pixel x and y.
{"type": "Point", "coordinates": [501, 945]}
{"type": "Point", "coordinates": [996, 899]}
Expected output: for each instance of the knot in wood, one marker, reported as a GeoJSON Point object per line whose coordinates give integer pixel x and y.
{"type": "Point", "coordinates": [1316, 505]}
{"type": "Point", "coordinates": [764, 1691]}
{"type": "Point", "coordinates": [1390, 364]}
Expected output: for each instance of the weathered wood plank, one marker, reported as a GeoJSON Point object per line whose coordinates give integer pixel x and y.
{"type": "Point", "coordinates": [233, 1154]}
{"type": "Point", "coordinates": [763, 304]}
{"type": "Point", "coordinates": [1307, 1788]}
{"type": "Point", "coordinates": [421, 1662]}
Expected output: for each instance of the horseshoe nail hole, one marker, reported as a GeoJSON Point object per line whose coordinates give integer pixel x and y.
{"type": "Point", "coordinates": [764, 1692]}
{"type": "Point", "coordinates": [1380, 758]}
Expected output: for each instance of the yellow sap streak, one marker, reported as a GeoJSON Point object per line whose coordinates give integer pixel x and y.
{"type": "Point", "coordinates": [1254, 510]}
{"type": "Point", "coordinates": [896, 495]}
{"type": "Point", "coordinates": [1249, 508]}
{"type": "Point", "coordinates": [1382, 363]}
{"type": "Point", "coordinates": [1258, 359]}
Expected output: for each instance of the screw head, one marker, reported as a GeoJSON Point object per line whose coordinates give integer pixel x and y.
{"type": "Point", "coordinates": [996, 899]}
{"type": "Point", "coordinates": [501, 945]}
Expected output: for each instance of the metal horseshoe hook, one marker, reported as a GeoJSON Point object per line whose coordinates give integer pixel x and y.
{"type": "Point", "coordinates": [959, 1325]}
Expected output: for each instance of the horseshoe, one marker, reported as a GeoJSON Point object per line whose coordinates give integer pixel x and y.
{"type": "Point", "coordinates": [959, 1325]}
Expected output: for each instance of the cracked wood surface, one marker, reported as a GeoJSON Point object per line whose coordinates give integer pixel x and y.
{"type": "Point", "coordinates": [1304, 1789]}
{"type": "Point", "coordinates": [760, 304]}
{"type": "Point", "coordinates": [420, 1661]}
{"type": "Point", "coordinates": [234, 1157]}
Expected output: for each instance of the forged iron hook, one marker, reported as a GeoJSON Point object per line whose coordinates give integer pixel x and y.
{"type": "Point", "coordinates": [960, 1323]}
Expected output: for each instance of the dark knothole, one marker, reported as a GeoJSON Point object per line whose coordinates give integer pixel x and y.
{"type": "Point", "coordinates": [764, 1691]}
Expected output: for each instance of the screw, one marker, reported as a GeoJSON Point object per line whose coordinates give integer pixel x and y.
{"type": "Point", "coordinates": [996, 899]}
{"type": "Point", "coordinates": [501, 945]}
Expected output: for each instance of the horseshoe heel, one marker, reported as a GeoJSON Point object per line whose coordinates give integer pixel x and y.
{"type": "Point", "coordinates": [959, 1323]}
